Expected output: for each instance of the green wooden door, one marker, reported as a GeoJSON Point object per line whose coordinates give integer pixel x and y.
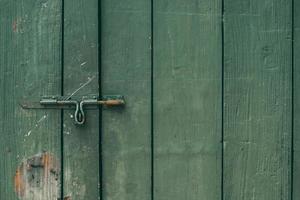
{"type": "Point", "coordinates": [212, 91]}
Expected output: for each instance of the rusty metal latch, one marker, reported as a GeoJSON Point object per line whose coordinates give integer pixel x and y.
{"type": "Point", "coordinates": [79, 104]}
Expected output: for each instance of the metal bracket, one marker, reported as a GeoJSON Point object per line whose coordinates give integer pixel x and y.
{"type": "Point", "coordinates": [59, 102]}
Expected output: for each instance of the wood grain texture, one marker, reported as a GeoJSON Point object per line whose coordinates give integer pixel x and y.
{"type": "Point", "coordinates": [187, 99]}
{"type": "Point", "coordinates": [296, 167]}
{"type": "Point", "coordinates": [81, 143]}
{"type": "Point", "coordinates": [126, 69]}
{"type": "Point", "coordinates": [29, 68]}
{"type": "Point", "coordinates": [257, 98]}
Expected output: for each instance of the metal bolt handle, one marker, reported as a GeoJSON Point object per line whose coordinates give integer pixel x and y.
{"type": "Point", "coordinates": [79, 115]}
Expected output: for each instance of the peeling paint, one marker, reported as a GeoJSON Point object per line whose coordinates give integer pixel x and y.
{"type": "Point", "coordinates": [37, 177]}
{"type": "Point", "coordinates": [28, 134]}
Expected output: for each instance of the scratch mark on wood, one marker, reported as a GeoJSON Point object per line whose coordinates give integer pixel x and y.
{"type": "Point", "coordinates": [42, 119]}
{"type": "Point", "coordinates": [82, 86]}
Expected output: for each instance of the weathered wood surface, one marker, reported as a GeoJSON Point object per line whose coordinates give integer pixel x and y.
{"type": "Point", "coordinates": [81, 143]}
{"type": "Point", "coordinates": [296, 159]}
{"type": "Point", "coordinates": [257, 98]}
{"type": "Point", "coordinates": [187, 99]}
{"type": "Point", "coordinates": [126, 69]}
{"type": "Point", "coordinates": [29, 67]}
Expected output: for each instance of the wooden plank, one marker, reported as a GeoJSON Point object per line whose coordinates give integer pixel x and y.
{"type": "Point", "coordinates": [81, 143]}
{"type": "Point", "coordinates": [126, 69]}
{"type": "Point", "coordinates": [187, 99]}
{"type": "Point", "coordinates": [29, 67]}
{"type": "Point", "coordinates": [296, 159]}
{"type": "Point", "coordinates": [257, 98]}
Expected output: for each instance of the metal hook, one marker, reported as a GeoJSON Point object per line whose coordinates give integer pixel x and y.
{"type": "Point", "coordinates": [79, 115]}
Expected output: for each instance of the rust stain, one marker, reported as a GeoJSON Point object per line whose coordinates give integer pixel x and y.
{"type": "Point", "coordinates": [113, 102]}
{"type": "Point", "coordinates": [19, 184]}
{"type": "Point", "coordinates": [46, 162]}
{"type": "Point", "coordinates": [37, 175]}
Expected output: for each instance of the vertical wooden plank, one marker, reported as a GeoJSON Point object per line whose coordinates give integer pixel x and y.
{"type": "Point", "coordinates": [126, 70]}
{"type": "Point", "coordinates": [81, 143]}
{"type": "Point", "coordinates": [29, 69]}
{"type": "Point", "coordinates": [296, 167]}
{"type": "Point", "coordinates": [258, 97]}
{"type": "Point", "coordinates": [187, 99]}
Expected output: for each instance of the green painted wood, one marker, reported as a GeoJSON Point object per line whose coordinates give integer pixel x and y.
{"type": "Point", "coordinates": [187, 99]}
{"type": "Point", "coordinates": [126, 69]}
{"type": "Point", "coordinates": [29, 67]}
{"type": "Point", "coordinates": [296, 166]}
{"type": "Point", "coordinates": [257, 99]}
{"type": "Point", "coordinates": [81, 143]}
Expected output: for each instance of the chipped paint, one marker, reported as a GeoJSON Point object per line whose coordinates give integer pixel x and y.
{"type": "Point", "coordinates": [45, 5]}
{"type": "Point", "coordinates": [44, 117]}
{"type": "Point", "coordinates": [82, 64]}
{"type": "Point", "coordinates": [37, 177]}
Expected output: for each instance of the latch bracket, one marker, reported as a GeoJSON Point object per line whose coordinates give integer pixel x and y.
{"type": "Point", "coordinates": [60, 102]}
